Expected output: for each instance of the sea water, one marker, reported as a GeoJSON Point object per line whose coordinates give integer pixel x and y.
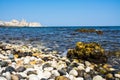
{"type": "Point", "coordinates": [61, 38]}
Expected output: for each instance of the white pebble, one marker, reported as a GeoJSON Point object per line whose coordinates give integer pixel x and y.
{"type": "Point", "coordinates": [2, 78]}
{"type": "Point", "coordinates": [33, 77]}
{"type": "Point", "coordinates": [55, 73]}
{"type": "Point", "coordinates": [26, 60]}
{"type": "Point", "coordinates": [73, 72]}
{"type": "Point", "coordinates": [79, 78]}
{"type": "Point", "coordinates": [46, 74]}
{"type": "Point", "coordinates": [81, 67]}
{"type": "Point", "coordinates": [48, 68]}
{"type": "Point", "coordinates": [117, 75]}
{"type": "Point", "coordinates": [87, 69]}
{"type": "Point", "coordinates": [8, 75]}
{"type": "Point", "coordinates": [97, 78]}
{"type": "Point", "coordinates": [87, 63]}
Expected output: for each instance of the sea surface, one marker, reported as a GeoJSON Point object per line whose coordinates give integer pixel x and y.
{"type": "Point", "coordinates": [61, 38]}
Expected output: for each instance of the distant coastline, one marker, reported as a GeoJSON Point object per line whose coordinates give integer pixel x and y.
{"type": "Point", "coordinates": [17, 23]}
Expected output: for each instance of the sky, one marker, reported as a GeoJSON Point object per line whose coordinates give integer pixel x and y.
{"type": "Point", "coordinates": [63, 12]}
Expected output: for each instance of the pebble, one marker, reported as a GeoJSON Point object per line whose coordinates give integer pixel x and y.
{"type": "Point", "coordinates": [87, 69]}
{"type": "Point", "coordinates": [27, 60]}
{"type": "Point", "coordinates": [20, 69]}
{"type": "Point", "coordinates": [48, 68]}
{"type": "Point", "coordinates": [4, 64]}
{"type": "Point", "coordinates": [79, 78]}
{"type": "Point", "coordinates": [61, 78]}
{"type": "Point", "coordinates": [11, 56]}
{"type": "Point", "coordinates": [87, 63]}
{"type": "Point", "coordinates": [81, 67]}
{"type": "Point", "coordinates": [73, 72]}
{"type": "Point", "coordinates": [8, 75]}
{"type": "Point", "coordinates": [9, 69]}
{"type": "Point", "coordinates": [109, 76]}
{"type": "Point", "coordinates": [2, 78]}
{"type": "Point", "coordinates": [46, 74]}
{"type": "Point", "coordinates": [98, 77]}
{"type": "Point", "coordinates": [33, 77]}
{"type": "Point", "coordinates": [62, 72]}
{"type": "Point", "coordinates": [14, 77]}
{"type": "Point", "coordinates": [55, 73]}
{"type": "Point", "coordinates": [117, 75]}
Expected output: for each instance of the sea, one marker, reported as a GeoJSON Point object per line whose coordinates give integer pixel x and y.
{"type": "Point", "coordinates": [61, 38]}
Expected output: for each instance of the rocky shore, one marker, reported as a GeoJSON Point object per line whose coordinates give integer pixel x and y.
{"type": "Point", "coordinates": [21, 62]}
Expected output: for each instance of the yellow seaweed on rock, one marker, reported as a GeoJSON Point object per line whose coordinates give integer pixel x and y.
{"type": "Point", "coordinates": [86, 51]}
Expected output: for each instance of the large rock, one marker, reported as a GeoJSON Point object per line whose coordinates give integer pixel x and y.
{"type": "Point", "coordinates": [88, 51]}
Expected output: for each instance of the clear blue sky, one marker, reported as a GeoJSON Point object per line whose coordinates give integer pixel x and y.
{"type": "Point", "coordinates": [63, 12]}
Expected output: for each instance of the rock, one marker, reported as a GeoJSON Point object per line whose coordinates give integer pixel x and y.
{"type": "Point", "coordinates": [109, 76]}
{"type": "Point", "coordinates": [92, 52]}
{"type": "Point", "coordinates": [55, 73]}
{"type": "Point", "coordinates": [79, 78]}
{"type": "Point", "coordinates": [33, 77]}
{"type": "Point", "coordinates": [73, 72]}
{"type": "Point", "coordinates": [27, 60]}
{"type": "Point", "coordinates": [44, 79]}
{"type": "Point", "coordinates": [8, 75]}
{"type": "Point", "coordinates": [62, 72]}
{"type": "Point", "coordinates": [87, 69]}
{"type": "Point", "coordinates": [72, 77]}
{"type": "Point", "coordinates": [48, 68]}
{"type": "Point", "coordinates": [87, 77]}
{"type": "Point", "coordinates": [2, 78]}
{"type": "Point", "coordinates": [47, 74]}
{"type": "Point", "coordinates": [98, 77]}
{"type": "Point", "coordinates": [31, 72]}
{"type": "Point", "coordinates": [81, 67]}
{"type": "Point", "coordinates": [46, 65]}
{"type": "Point", "coordinates": [10, 69]}
{"type": "Point", "coordinates": [4, 64]}
{"type": "Point", "coordinates": [117, 75]}
{"type": "Point", "coordinates": [11, 56]}
{"type": "Point", "coordinates": [81, 73]}
{"type": "Point", "coordinates": [61, 78]}
{"type": "Point", "coordinates": [14, 77]}
{"type": "Point", "coordinates": [20, 69]}
{"type": "Point", "coordinates": [87, 63]}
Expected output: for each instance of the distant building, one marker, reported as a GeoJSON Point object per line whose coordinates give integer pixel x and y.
{"type": "Point", "coordinates": [21, 23]}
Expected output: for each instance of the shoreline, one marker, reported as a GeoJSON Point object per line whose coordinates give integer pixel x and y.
{"type": "Point", "coordinates": [29, 63]}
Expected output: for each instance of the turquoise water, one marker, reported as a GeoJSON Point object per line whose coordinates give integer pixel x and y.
{"type": "Point", "coordinates": [60, 38]}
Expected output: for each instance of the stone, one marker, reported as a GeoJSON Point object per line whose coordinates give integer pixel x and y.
{"type": "Point", "coordinates": [2, 78]}
{"type": "Point", "coordinates": [55, 73]}
{"type": "Point", "coordinates": [62, 72]}
{"type": "Point", "coordinates": [46, 65]}
{"type": "Point", "coordinates": [48, 68]}
{"type": "Point", "coordinates": [20, 69]}
{"type": "Point", "coordinates": [109, 76]}
{"type": "Point", "coordinates": [31, 72]}
{"type": "Point", "coordinates": [10, 69]}
{"type": "Point", "coordinates": [61, 78]}
{"type": "Point", "coordinates": [14, 77]}
{"type": "Point", "coordinates": [81, 67]}
{"type": "Point", "coordinates": [117, 75]}
{"type": "Point", "coordinates": [11, 56]}
{"type": "Point", "coordinates": [73, 72]}
{"type": "Point", "coordinates": [87, 63]}
{"type": "Point", "coordinates": [87, 76]}
{"type": "Point", "coordinates": [47, 74]}
{"type": "Point", "coordinates": [92, 52]}
{"type": "Point", "coordinates": [33, 77]}
{"type": "Point", "coordinates": [8, 75]}
{"type": "Point", "coordinates": [87, 69]}
{"type": "Point", "coordinates": [79, 78]}
{"type": "Point", "coordinates": [72, 77]}
{"type": "Point", "coordinates": [97, 77]}
{"type": "Point", "coordinates": [27, 60]}
{"type": "Point", "coordinates": [4, 64]}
